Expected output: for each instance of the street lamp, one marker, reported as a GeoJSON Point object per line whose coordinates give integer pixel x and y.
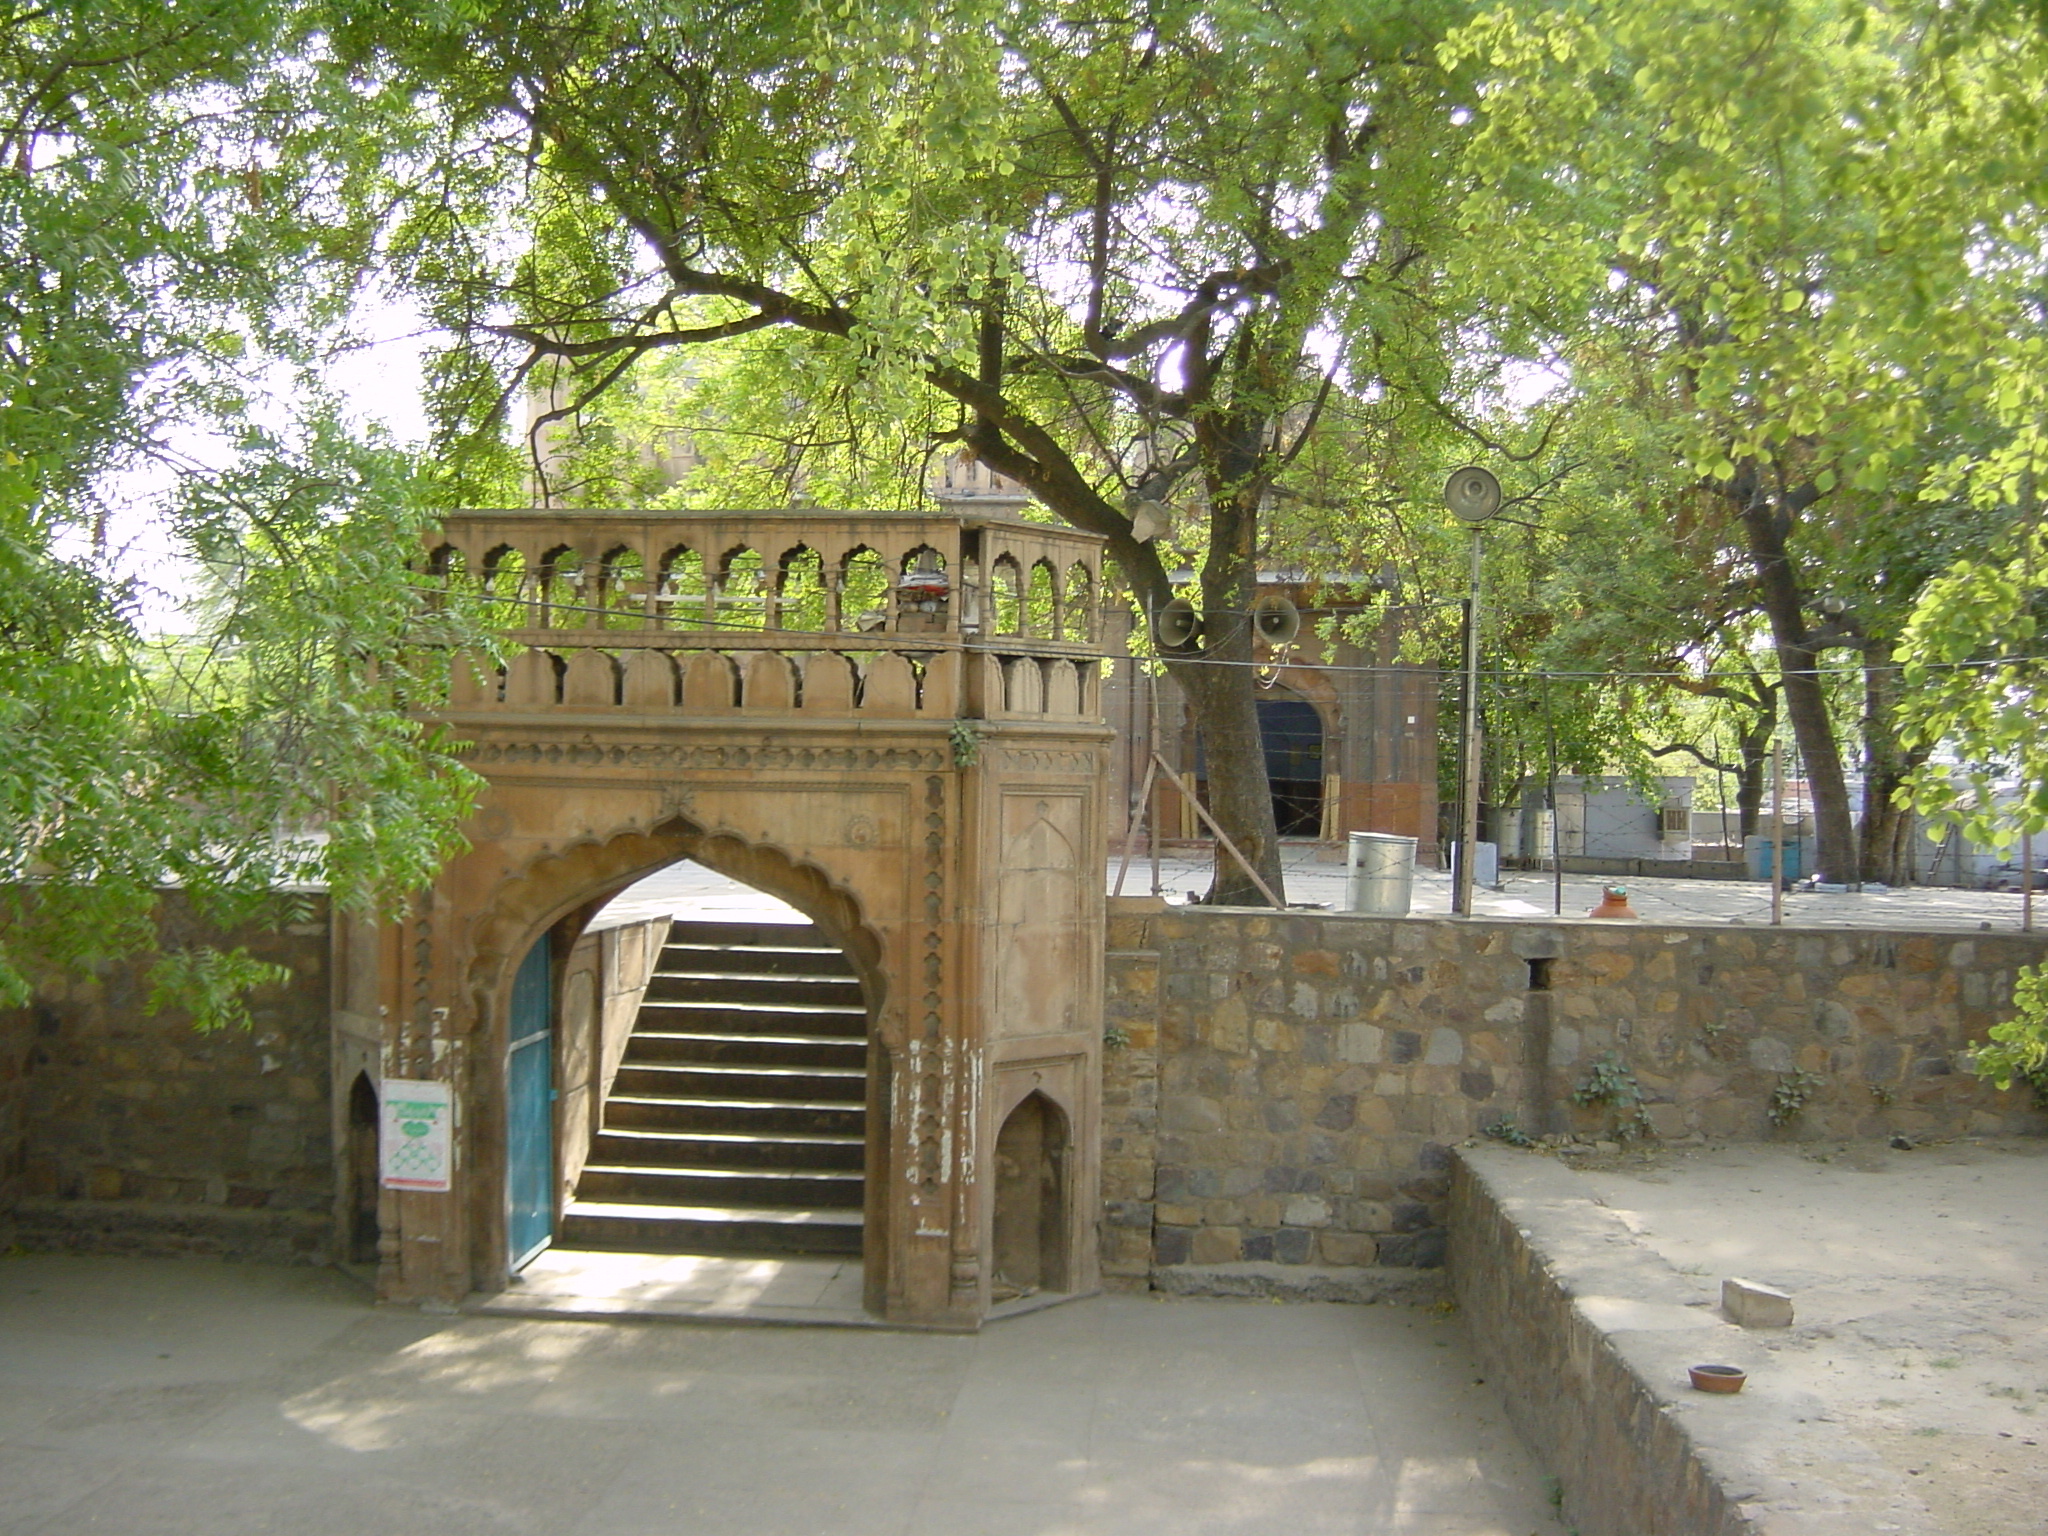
{"type": "Point", "coordinates": [1473, 496]}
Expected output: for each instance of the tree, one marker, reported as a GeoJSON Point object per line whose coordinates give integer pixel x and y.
{"type": "Point", "coordinates": [1797, 205]}
{"type": "Point", "coordinates": [1114, 254]}
{"type": "Point", "coordinates": [180, 195]}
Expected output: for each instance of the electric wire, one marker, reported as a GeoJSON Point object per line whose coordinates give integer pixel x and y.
{"type": "Point", "coordinates": [1581, 674]}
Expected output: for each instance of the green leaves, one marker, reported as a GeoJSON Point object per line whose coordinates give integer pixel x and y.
{"type": "Point", "coordinates": [2018, 1047]}
{"type": "Point", "coordinates": [1975, 679]}
{"type": "Point", "coordinates": [192, 208]}
{"type": "Point", "coordinates": [212, 985]}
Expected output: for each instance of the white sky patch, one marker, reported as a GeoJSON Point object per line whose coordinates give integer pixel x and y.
{"type": "Point", "coordinates": [1525, 384]}
{"type": "Point", "coordinates": [379, 377]}
{"type": "Point", "coordinates": [383, 377]}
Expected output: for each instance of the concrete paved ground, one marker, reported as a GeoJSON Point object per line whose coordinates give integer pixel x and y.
{"type": "Point", "coordinates": [1523, 894]}
{"type": "Point", "coordinates": [596, 1286]}
{"type": "Point", "coordinates": [150, 1397]}
{"type": "Point", "coordinates": [1531, 894]}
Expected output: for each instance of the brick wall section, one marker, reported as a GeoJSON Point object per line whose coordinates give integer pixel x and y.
{"type": "Point", "coordinates": [1312, 1072]}
{"type": "Point", "coordinates": [131, 1132]}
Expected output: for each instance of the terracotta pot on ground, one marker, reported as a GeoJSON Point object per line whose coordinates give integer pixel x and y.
{"type": "Point", "coordinates": [1613, 903]}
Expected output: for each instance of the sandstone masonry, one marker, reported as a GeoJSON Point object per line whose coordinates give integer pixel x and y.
{"type": "Point", "coordinates": [1288, 1088]}
{"type": "Point", "coordinates": [126, 1131]}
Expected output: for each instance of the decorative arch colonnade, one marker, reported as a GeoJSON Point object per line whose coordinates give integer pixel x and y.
{"type": "Point", "coordinates": [890, 721]}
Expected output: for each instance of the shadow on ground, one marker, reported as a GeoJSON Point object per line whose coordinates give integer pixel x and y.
{"type": "Point", "coordinates": [149, 1397]}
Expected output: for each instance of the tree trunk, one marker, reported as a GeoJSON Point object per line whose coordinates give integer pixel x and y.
{"type": "Point", "coordinates": [1223, 694]}
{"type": "Point", "coordinates": [1886, 828]}
{"type": "Point", "coordinates": [1751, 783]}
{"type": "Point", "coordinates": [1767, 524]}
{"type": "Point", "coordinates": [1240, 797]}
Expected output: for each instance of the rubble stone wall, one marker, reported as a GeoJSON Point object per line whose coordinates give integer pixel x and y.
{"type": "Point", "coordinates": [1287, 1089]}
{"type": "Point", "coordinates": [126, 1131]}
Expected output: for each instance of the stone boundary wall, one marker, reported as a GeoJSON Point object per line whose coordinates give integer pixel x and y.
{"type": "Point", "coordinates": [1624, 1465]}
{"type": "Point", "coordinates": [1589, 1335]}
{"type": "Point", "coordinates": [1287, 1089]}
{"type": "Point", "coordinates": [127, 1132]}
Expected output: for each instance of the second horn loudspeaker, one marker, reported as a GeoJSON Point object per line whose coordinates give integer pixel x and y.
{"type": "Point", "coordinates": [1275, 620]}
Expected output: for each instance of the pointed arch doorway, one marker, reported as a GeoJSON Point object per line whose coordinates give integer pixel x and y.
{"type": "Point", "coordinates": [714, 1094]}
{"type": "Point", "coordinates": [873, 775]}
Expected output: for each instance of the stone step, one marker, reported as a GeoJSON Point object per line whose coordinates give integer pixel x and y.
{"type": "Point", "coordinates": [734, 1124]}
{"type": "Point", "coordinates": [741, 960]}
{"type": "Point", "coordinates": [718, 987]}
{"type": "Point", "coordinates": [696, 1016]}
{"type": "Point", "coordinates": [708, 1080]}
{"type": "Point", "coordinates": [766, 1187]}
{"type": "Point", "coordinates": [770, 935]}
{"type": "Point", "coordinates": [760, 1117]}
{"type": "Point", "coordinates": [623, 1146]}
{"type": "Point", "coordinates": [739, 1230]}
{"type": "Point", "coordinates": [780, 1049]}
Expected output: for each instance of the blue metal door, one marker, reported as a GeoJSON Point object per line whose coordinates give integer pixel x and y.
{"type": "Point", "coordinates": [529, 1109]}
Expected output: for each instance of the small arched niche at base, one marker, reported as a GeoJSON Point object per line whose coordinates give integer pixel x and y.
{"type": "Point", "coordinates": [1030, 1238]}
{"type": "Point", "coordinates": [362, 1231]}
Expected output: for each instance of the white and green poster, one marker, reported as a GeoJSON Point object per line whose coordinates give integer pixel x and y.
{"type": "Point", "coordinates": [416, 1141]}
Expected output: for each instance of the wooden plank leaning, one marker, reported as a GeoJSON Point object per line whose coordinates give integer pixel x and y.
{"type": "Point", "coordinates": [1209, 821]}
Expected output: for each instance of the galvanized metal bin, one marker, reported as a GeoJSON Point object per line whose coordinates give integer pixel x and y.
{"type": "Point", "coordinates": [1379, 874]}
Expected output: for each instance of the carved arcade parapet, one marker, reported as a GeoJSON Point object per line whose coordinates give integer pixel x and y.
{"type": "Point", "coordinates": [883, 615]}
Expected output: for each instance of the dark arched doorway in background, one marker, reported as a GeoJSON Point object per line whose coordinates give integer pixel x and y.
{"type": "Point", "coordinates": [1292, 732]}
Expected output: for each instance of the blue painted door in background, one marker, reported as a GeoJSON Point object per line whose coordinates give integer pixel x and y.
{"type": "Point", "coordinates": [529, 1109]}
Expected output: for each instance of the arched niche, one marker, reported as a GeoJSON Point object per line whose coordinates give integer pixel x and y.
{"type": "Point", "coordinates": [562, 589]}
{"type": "Point", "coordinates": [802, 596]}
{"type": "Point", "coordinates": [1029, 1247]}
{"type": "Point", "coordinates": [1077, 605]}
{"type": "Point", "coordinates": [360, 1236]}
{"type": "Point", "coordinates": [682, 590]}
{"type": "Point", "coordinates": [622, 588]}
{"type": "Point", "coordinates": [1006, 594]}
{"type": "Point", "coordinates": [742, 589]}
{"type": "Point", "coordinates": [864, 590]}
{"type": "Point", "coordinates": [1041, 602]}
{"type": "Point", "coordinates": [503, 583]}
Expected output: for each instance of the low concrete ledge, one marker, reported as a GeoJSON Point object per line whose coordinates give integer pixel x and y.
{"type": "Point", "coordinates": [1264, 1281]}
{"type": "Point", "coordinates": [154, 1229]}
{"type": "Point", "coordinates": [1590, 1335]}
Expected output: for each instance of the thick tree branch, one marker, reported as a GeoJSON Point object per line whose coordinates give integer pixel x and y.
{"type": "Point", "coordinates": [546, 345]}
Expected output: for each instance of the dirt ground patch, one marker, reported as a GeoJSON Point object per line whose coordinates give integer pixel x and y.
{"type": "Point", "coordinates": [1920, 1285]}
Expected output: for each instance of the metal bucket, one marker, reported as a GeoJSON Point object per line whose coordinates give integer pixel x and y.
{"type": "Point", "coordinates": [1379, 874]}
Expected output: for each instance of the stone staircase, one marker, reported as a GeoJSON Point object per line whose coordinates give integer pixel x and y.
{"type": "Point", "coordinates": [735, 1124]}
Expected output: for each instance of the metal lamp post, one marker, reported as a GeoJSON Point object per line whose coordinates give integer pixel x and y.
{"type": "Point", "coordinates": [1473, 496]}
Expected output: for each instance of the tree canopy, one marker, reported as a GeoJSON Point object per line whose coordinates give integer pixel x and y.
{"type": "Point", "coordinates": [1117, 255]}
{"type": "Point", "coordinates": [178, 187]}
{"type": "Point", "coordinates": [1743, 302]}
